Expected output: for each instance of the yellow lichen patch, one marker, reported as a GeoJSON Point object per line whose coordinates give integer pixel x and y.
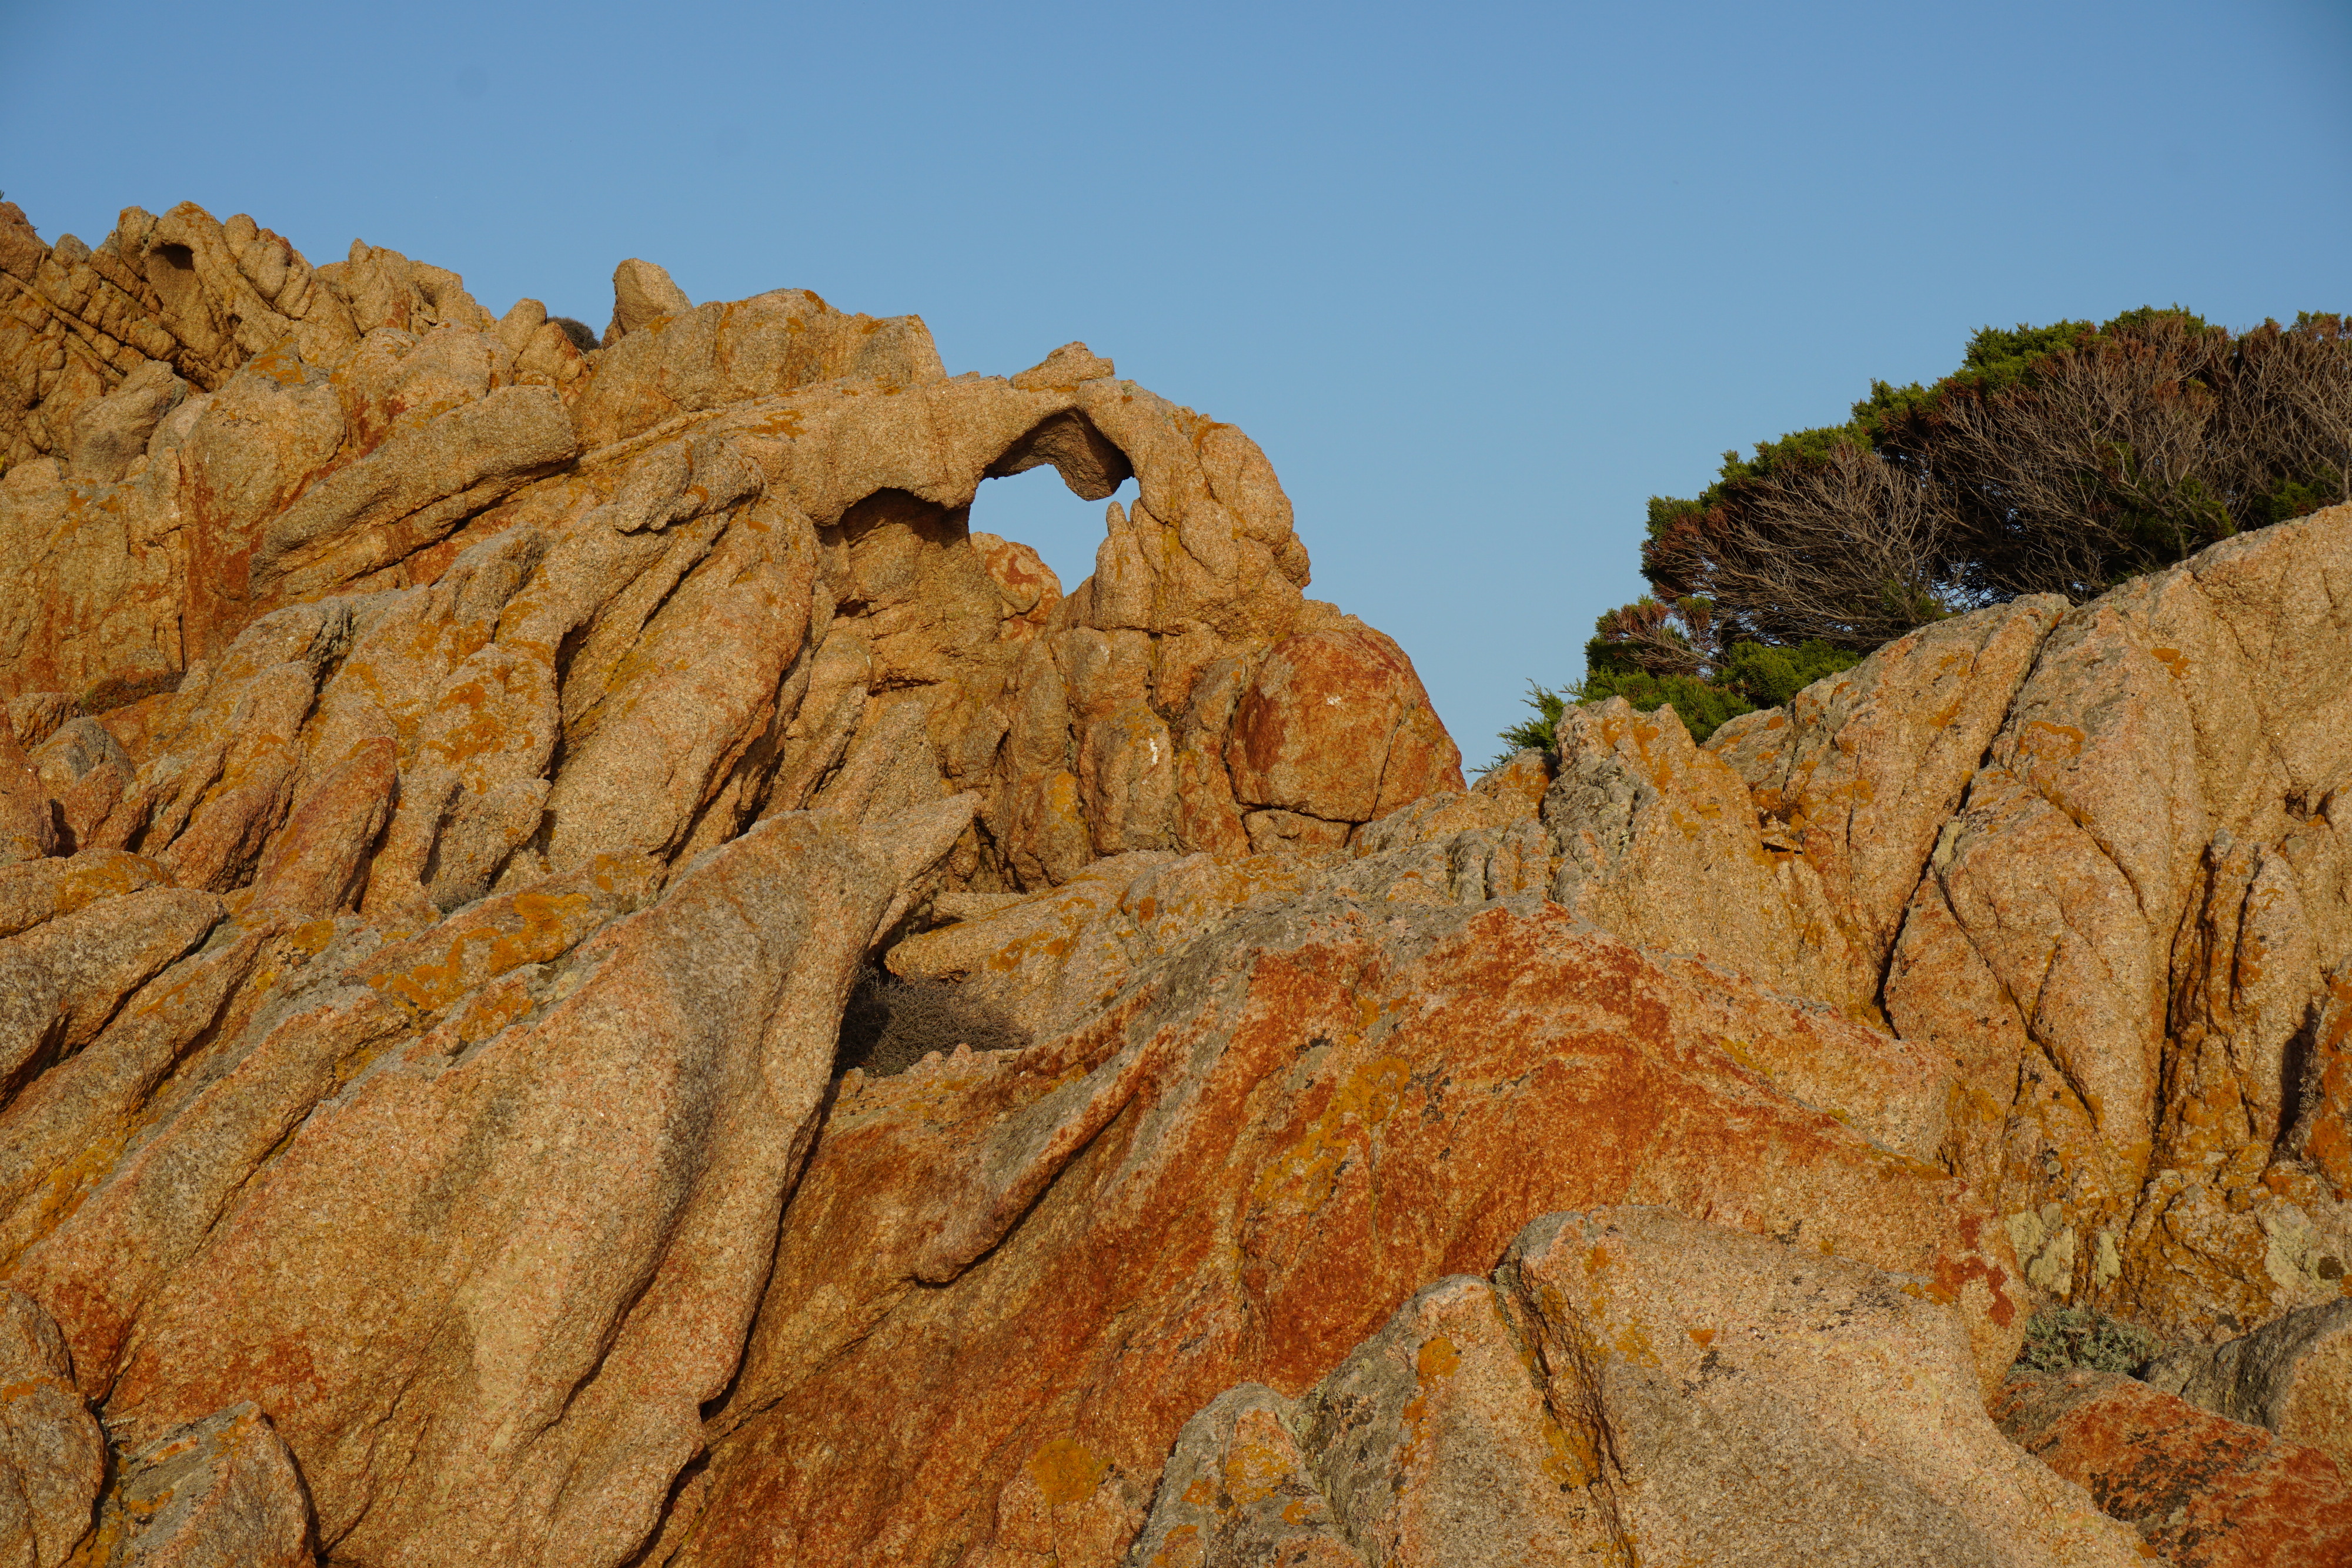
{"type": "Point", "coordinates": [784, 422]}
{"type": "Point", "coordinates": [1309, 1169]}
{"type": "Point", "coordinates": [491, 1009]}
{"type": "Point", "coordinates": [1702, 1337]}
{"type": "Point", "coordinates": [2173, 660]}
{"type": "Point", "coordinates": [1856, 791]}
{"type": "Point", "coordinates": [63, 1189]}
{"type": "Point", "coordinates": [1571, 1459]}
{"type": "Point", "coordinates": [2049, 742]}
{"type": "Point", "coordinates": [1183, 1548]}
{"type": "Point", "coordinates": [1633, 1342]}
{"type": "Point", "coordinates": [1437, 1358]}
{"type": "Point", "coordinates": [36, 890]}
{"type": "Point", "coordinates": [1051, 943]}
{"type": "Point", "coordinates": [282, 365]}
{"type": "Point", "coordinates": [111, 876]}
{"type": "Point", "coordinates": [102, 1544]}
{"type": "Point", "coordinates": [527, 928]}
{"type": "Point", "coordinates": [311, 938]}
{"type": "Point", "coordinates": [1255, 1471]}
{"type": "Point", "coordinates": [1415, 1411]}
{"type": "Point", "coordinates": [1065, 1470]}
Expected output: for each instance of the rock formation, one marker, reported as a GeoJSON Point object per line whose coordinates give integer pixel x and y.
{"type": "Point", "coordinates": [456, 774]}
{"type": "Point", "coordinates": [2203, 1491]}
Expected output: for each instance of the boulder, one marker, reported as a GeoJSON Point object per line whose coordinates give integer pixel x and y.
{"type": "Point", "coordinates": [214, 1493]}
{"type": "Point", "coordinates": [1320, 708]}
{"type": "Point", "coordinates": [642, 294]}
{"type": "Point", "coordinates": [2203, 1491]}
{"type": "Point", "coordinates": [53, 1459]}
{"type": "Point", "coordinates": [2293, 1377]}
{"type": "Point", "coordinates": [28, 819]}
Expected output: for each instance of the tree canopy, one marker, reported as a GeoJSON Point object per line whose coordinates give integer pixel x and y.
{"type": "Point", "coordinates": [2056, 459]}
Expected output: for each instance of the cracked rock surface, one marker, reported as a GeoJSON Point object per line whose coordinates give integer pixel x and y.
{"type": "Point", "coordinates": [457, 773]}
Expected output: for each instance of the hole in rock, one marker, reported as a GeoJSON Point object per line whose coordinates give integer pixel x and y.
{"type": "Point", "coordinates": [892, 1024]}
{"type": "Point", "coordinates": [1036, 509]}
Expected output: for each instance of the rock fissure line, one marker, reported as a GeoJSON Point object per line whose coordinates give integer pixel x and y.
{"type": "Point", "coordinates": [478, 1183]}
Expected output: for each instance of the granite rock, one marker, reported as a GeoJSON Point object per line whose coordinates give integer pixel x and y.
{"type": "Point", "coordinates": [455, 772]}
{"type": "Point", "coordinates": [2203, 1491]}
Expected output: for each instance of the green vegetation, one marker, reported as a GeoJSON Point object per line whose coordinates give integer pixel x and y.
{"type": "Point", "coordinates": [2056, 459]}
{"type": "Point", "coordinates": [1754, 676]}
{"type": "Point", "coordinates": [2075, 1336]}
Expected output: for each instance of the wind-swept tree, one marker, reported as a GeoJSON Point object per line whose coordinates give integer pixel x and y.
{"type": "Point", "coordinates": [2058, 459]}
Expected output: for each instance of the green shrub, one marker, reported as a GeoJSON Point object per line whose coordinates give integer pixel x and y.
{"type": "Point", "coordinates": [1768, 676]}
{"type": "Point", "coordinates": [2076, 1336]}
{"type": "Point", "coordinates": [1754, 676]}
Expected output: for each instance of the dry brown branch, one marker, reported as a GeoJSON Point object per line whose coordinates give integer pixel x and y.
{"type": "Point", "coordinates": [1851, 551]}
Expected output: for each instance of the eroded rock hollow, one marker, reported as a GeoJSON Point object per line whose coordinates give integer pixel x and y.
{"type": "Point", "coordinates": [588, 976]}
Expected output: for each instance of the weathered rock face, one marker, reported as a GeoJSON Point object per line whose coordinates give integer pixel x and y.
{"type": "Point", "coordinates": [1006, 1270]}
{"type": "Point", "coordinates": [2086, 857]}
{"type": "Point", "coordinates": [1606, 1398]}
{"type": "Point", "coordinates": [455, 772]}
{"type": "Point", "coordinates": [2204, 1492]}
{"type": "Point", "coordinates": [720, 570]}
{"type": "Point", "coordinates": [2293, 1377]}
{"type": "Point", "coordinates": [54, 1459]}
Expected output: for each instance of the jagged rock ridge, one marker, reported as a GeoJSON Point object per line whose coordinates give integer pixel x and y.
{"type": "Point", "coordinates": [453, 779]}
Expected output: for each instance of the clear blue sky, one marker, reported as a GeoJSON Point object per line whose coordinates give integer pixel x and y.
{"type": "Point", "coordinates": [1479, 277]}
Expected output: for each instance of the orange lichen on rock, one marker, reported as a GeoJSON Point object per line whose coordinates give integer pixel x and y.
{"type": "Point", "coordinates": [461, 780]}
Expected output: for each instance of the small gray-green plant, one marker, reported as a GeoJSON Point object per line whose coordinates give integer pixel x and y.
{"type": "Point", "coordinates": [2076, 1336]}
{"type": "Point", "coordinates": [890, 1024]}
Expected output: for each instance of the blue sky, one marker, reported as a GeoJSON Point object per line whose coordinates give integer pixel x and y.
{"type": "Point", "coordinates": [1480, 278]}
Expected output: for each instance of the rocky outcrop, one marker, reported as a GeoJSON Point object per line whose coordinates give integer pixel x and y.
{"type": "Point", "coordinates": [2293, 1377]}
{"type": "Point", "coordinates": [456, 772]}
{"type": "Point", "coordinates": [1235, 1172]}
{"type": "Point", "coordinates": [718, 571]}
{"type": "Point", "coordinates": [2088, 857]}
{"type": "Point", "coordinates": [54, 1459]}
{"type": "Point", "coordinates": [1606, 1398]}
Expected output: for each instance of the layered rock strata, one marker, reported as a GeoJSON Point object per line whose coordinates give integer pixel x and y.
{"type": "Point", "coordinates": [455, 771]}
